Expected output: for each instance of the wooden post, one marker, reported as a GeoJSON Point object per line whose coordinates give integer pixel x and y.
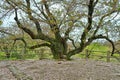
{"type": "Point", "coordinates": [108, 56]}
{"type": "Point", "coordinates": [41, 54]}
{"type": "Point", "coordinates": [86, 54]}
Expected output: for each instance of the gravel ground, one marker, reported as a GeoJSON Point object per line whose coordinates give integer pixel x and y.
{"type": "Point", "coordinates": [79, 69]}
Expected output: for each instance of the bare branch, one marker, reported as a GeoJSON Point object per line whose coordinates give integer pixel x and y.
{"type": "Point", "coordinates": [73, 43]}
{"type": "Point", "coordinates": [5, 14]}
{"type": "Point", "coordinates": [95, 3]}
{"type": "Point", "coordinates": [101, 20]}
{"type": "Point", "coordinates": [41, 10]}
{"type": "Point", "coordinates": [101, 37]}
{"type": "Point", "coordinates": [2, 31]}
{"type": "Point", "coordinates": [23, 28]}
{"type": "Point", "coordinates": [22, 39]}
{"type": "Point", "coordinates": [32, 18]}
{"type": "Point", "coordinates": [52, 21]}
{"type": "Point", "coordinates": [86, 30]}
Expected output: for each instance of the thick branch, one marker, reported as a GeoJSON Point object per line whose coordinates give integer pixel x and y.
{"type": "Point", "coordinates": [68, 31]}
{"type": "Point", "coordinates": [36, 22]}
{"type": "Point", "coordinates": [23, 28]}
{"type": "Point", "coordinates": [40, 45]}
{"type": "Point", "coordinates": [73, 52]}
{"type": "Point", "coordinates": [33, 36]}
{"type": "Point", "coordinates": [86, 30]}
{"type": "Point", "coordinates": [49, 16]}
{"type": "Point", "coordinates": [90, 13]}
{"type": "Point", "coordinates": [73, 43]}
{"type": "Point", "coordinates": [101, 37]}
{"type": "Point", "coordinates": [95, 2]}
{"type": "Point", "coordinates": [80, 49]}
{"type": "Point", "coordinates": [52, 21]}
{"type": "Point", "coordinates": [22, 39]}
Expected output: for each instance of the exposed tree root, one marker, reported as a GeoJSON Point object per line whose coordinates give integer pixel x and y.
{"type": "Point", "coordinates": [18, 74]}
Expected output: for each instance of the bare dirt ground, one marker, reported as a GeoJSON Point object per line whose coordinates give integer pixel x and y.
{"type": "Point", "coordinates": [79, 69]}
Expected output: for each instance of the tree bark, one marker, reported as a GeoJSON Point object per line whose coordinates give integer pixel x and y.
{"type": "Point", "coordinates": [59, 49]}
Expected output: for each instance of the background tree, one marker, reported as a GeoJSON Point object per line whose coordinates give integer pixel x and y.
{"type": "Point", "coordinates": [58, 22]}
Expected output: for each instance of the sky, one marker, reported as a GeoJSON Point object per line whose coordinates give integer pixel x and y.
{"type": "Point", "coordinates": [7, 22]}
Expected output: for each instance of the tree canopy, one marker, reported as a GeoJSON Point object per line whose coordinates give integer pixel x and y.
{"type": "Point", "coordinates": [59, 22]}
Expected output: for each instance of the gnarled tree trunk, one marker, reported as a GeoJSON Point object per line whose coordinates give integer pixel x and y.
{"type": "Point", "coordinates": [59, 49]}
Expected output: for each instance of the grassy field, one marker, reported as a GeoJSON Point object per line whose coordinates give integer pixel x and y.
{"type": "Point", "coordinates": [101, 50]}
{"type": "Point", "coordinates": [97, 52]}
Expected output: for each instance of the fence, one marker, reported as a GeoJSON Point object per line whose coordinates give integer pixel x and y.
{"type": "Point", "coordinates": [40, 53]}
{"type": "Point", "coordinates": [107, 56]}
{"type": "Point", "coordinates": [22, 54]}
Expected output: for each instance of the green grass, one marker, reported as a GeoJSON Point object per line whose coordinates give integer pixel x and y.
{"type": "Point", "coordinates": [97, 47]}
{"type": "Point", "coordinates": [31, 54]}
{"type": "Point", "coordinates": [2, 56]}
{"type": "Point", "coordinates": [101, 49]}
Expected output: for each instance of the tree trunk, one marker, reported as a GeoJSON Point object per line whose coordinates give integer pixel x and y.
{"type": "Point", "coordinates": [59, 50]}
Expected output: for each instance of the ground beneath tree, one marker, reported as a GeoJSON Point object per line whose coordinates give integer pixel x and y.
{"type": "Point", "coordinates": [79, 69]}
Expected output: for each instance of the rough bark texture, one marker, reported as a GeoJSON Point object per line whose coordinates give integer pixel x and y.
{"type": "Point", "coordinates": [59, 49]}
